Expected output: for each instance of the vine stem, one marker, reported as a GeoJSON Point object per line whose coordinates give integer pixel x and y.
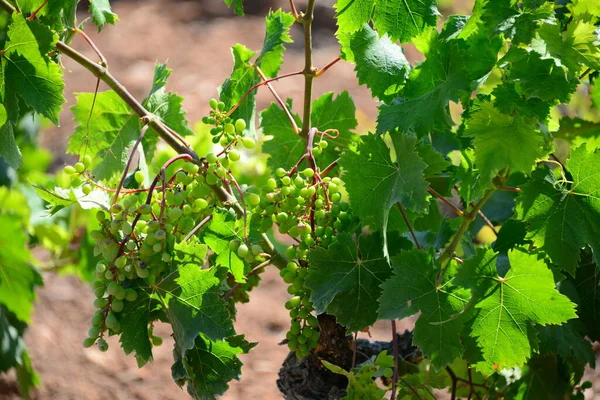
{"type": "Point", "coordinates": [309, 71]}
{"type": "Point", "coordinates": [411, 230]}
{"type": "Point", "coordinates": [103, 61]}
{"type": "Point", "coordinates": [278, 99]}
{"type": "Point", "coordinates": [197, 227]}
{"type": "Point", "coordinates": [395, 346]}
{"type": "Point", "coordinates": [454, 382]}
{"type": "Point", "coordinates": [35, 13]}
{"type": "Point", "coordinates": [456, 210]}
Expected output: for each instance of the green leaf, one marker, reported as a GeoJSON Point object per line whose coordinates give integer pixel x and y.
{"type": "Point", "coordinates": [110, 133]}
{"type": "Point", "coordinates": [509, 305]}
{"type": "Point", "coordinates": [278, 32]}
{"type": "Point", "coordinates": [28, 71]}
{"type": "Point", "coordinates": [12, 345]}
{"type": "Point", "coordinates": [345, 278]}
{"type": "Point", "coordinates": [18, 278]}
{"type": "Point", "coordinates": [566, 341]}
{"type": "Point", "coordinates": [436, 162]}
{"type": "Point", "coordinates": [580, 8]}
{"type": "Point", "coordinates": [380, 63]}
{"type": "Point", "coordinates": [562, 218]}
{"type": "Point", "coordinates": [135, 336]}
{"type": "Point", "coordinates": [413, 288]}
{"type": "Point", "coordinates": [9, 150]}
{"type": "Point", "coordinates": [450, 69]}
{"type": "Point", "coordinates": [238, 6]}
{"type": "Point", "coordinates": [102, 13]}
{"type": "Point", "coordinates": [404, 19]}
{"type": "Point", "coordinates": [503, 141]}
{"type": "Point", "coordinates": [375, 183]}
{"type": "Point", "coordinates": [242, 78]}
{"type": "Point", "coordinates": [225, 227]}
{"type": "Point", "coordinates": [59, 198]}
{"type": "Point", "coordinates": [286, 147]}
{"type": "Point", "coordinates": [400, 19]}
{"type": "Point", "coordinates": [521, 28]}
{"type": "Point", "coordinates": [585, 285]}
{"type": "Point", "coordinates": [27, 378]}
{"type": "Point", "coordinates": [210, 365]}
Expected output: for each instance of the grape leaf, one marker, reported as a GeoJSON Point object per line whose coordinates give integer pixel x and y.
{"type": "Point", "coordinates": [102, 13]}
{"type": "Point", "coordinates": [508, 305]}
{"type": "Point", "coordinates": [9, 150]}
{"type": "Point", "coordinates": [110, 133]}
{"type": "Point", "coordinates": [404, 19]}
{"type": "Point", "coordinates": [375, 183]}
{"type": "Point", "coordinates": [210, 365]}
{"type": "Point", "coordinates": [521, 27]}
{"type": "Point", "coordinates": [191, 297]}
{"type": "Point", "coordinates": [562, 218]}
{"type": "Point", "coordinates": [242, 78]}
{"type": "Point", "coordinates": [278, 32]}
{"type": "Point", "coordinates": [344, 279]}
{"type": "Point", "coordinates": [586, 283]}
{"type": "Point", "coordinates": [135, 336]}
{"type": "Point", "coordinates": [503, 141]}
{"type": "Point", "coordinates": [165, 105]}
{"type": "Point", "coordinates": [380, 63]}
{"type": "Point", "coordinates": [225, 227]}
{"type": "Point", "coordinates": [286, 147]}
{"type": "Point", "coordinates": [400, 19]}
{"type": "Point", "coordinates": [450, 68]}
{"type": "Point", "coordinates": [580, 8]}
{"type": "Point", "coordinates": [413, 288]}
{"type": "Point", "coordinates": [18, 278]}
{"type": "Point", "coordinates": [11, 340]}
{"type": "Point", "coordinates": [27, 378]}
{"type": "Point", "coordinates": [238, 6]}
{"type": "Point", "coordinates": [28, 71]}
{"type": "Point", "coordinates": [567, 341]}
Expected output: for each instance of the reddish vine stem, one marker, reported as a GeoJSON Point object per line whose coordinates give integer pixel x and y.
{"type": "Point", "coordinates": [354, 350]}
{"type": "Point", "coordinates": [409, 225]}
{"type": "Point", "coordinates": [510, 189]}
{"type": "Point", "coordinates": [395, 350]}
{"type": "Point", "coordinates": [197, 227]}
{"type": "Point", "coordinates": [177, 135]}
{"type": "Point", "coordinates": [326, 67]}
{"type": "Point", "coordinates": [329, 168]}
{"type": "Point", "coordinates": [446, 201]}
{"type": "Point", "coordinates": [487, 222]}
{"type": "Point", "coordinates": [294, 10]}
{"type": "Point", "coordinates": [278, 100]}
{"type": "Point", "coordinates": [35, 13]}
{"type": "Point", "coordinates": [129, 161]}
{"type": "Point", "coordinates": [587, 71]}
{"type": "Point", "coordinates": [103, 61]}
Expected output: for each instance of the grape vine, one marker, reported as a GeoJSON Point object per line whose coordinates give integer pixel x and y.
{"type": "Point", "coordinates": [473, 208]}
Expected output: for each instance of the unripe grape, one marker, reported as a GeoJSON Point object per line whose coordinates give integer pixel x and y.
{"type": "Point", "coordinates": [174, 214]}
{"type": "Point", "coordinates": [308, 172]}
{"type": "Point", "coordinates": [117, 305]}
{"type": "Point", "coordinates": [69, 170]}
{"type": "Point", "coordinates": [242, 251]}
{"type": "Point", "coordinates": [94, 332]}
{"type": "Point", "coordinates": [213, 103]}
{"type": "Point", "coordinates": [335, 197]}
{"type": "Point", "coordinates": [113, 288]}
{"type": "Point", "coordinates": [256, 249]}
{"type": "Point", "coordinates": [233, 155]}
{"type": "Point", "coordinates": [289, 277]}
{"type": "Point", "coordinates": [211, 158]}
{"type": "Point", "coordinates": [97, 318]}
{"type": "Point", "coordinates": [100, 302]}
{"type": "Point", "coordinates": [79, 167]}
{"type": "Point", "coordinates": [248, 143]}
{"type": "Point", "coordinates": [229, 128]}
{"type": "Point", "coordinates": [290, 252]}
{"type": "Point", "coordinates": [240, 125]}
{"type": "Point", "coordinates": [99, 292]}
{"type": "Point", "coordinates": [121, 262]}
{"type": "Point", "coordinates": [253, 199]}
{"type": "Point", "coordinates": [286, 180]}
{"type": "Point", "coordinates": [108, 275]}
{"type": "Point", "coordinates": [157, 248]}
{"type": "Point", "coordinates": [166, 257]}
{"type": "Point", "coordinates": [221, 106]}
{"type": "Point", "coordinates": [86, 189]}
{"type": "Point", "coordinates": [282, 217]}
{"type": "Point", "coordinates": [75, 181]}
{"type": "Point", "coordinates": [130, 295]}
{"type": "Point", "coordinates": [312, 321]}
{"type": "Point", "coordinates": [89, 342]}
{"type": "Point", "coordinates": [156, 340]}
{"type": "Point", "coordinates": [111, 321]}
{"type": "Point", "coordinates": [102, 345]}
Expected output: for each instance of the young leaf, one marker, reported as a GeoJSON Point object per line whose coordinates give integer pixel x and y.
{"type": "Point", "coordinates": [508, 306]}
{"type": "Point", "coordinates": [102, 13]}
{"type": "Point", "coordinates": [345, 278]}
{"type": "Point", "coordinates": [278, 33]}
{"type": "Point", "coordinates": [353, 14]}
{"type": "Point", "coordinates": [28, 71]}
{"type": "Point", "coordinates": [562, 218]}
{"type": "Point", "coordinates": [110, 133]}
{"type": "Point", "coordinates": [18, 278]}
{"type": "Point", "coordinates": [238, 6]}
{"type": "Point", "coordinates": [224, 228]}
{"type": "Point", "coordinates": [375, 183]}
{"type": "Point", "coordinates": [413, 288]}
{"type": "Point", "coordinates": [503, 141]}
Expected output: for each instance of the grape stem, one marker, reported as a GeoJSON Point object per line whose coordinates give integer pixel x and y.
{"type": "Point", "coordinates": [409, 225]}
{"type": "Point", "coordinates": [456, 210]}
{"type": "Point", "coordinates": [130, 160]}
{"type": "Point", "coordinates": [309, 71]}
{"type": "Point", "coordinates": [35, 13]}
{"type": "Point", "coordinates": [103, 61]}
{"type": "Point", "coordinates": [197, 227]}
{"type": "Point", "coordinates": [279, 100]}
{"type": "Point", "coordinates": [242, 201]}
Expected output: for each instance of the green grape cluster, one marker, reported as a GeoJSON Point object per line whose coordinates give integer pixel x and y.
{"type": "Point", "coordinates": [136, 238]}
{"type": "Point", "coordinates": [303, 335]}
{"type": "Point", "coordinates": [78, 176]}
{"type": "Point", "coordinates": [288, 201]}
{"type": "Point", "coordinates": [225, 131]}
